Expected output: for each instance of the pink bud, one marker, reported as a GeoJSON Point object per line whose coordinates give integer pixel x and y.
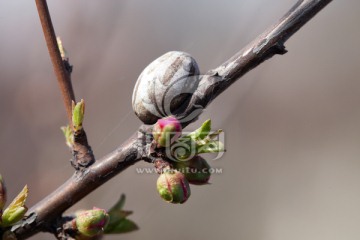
{"type": "Point", "coordinates": [173, 186]}
{"type": "Point", "coordinates": [166, 131]}
{"type": "Point", "coordinates": [91, 222]}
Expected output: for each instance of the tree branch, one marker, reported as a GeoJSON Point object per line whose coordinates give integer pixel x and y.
{"type": "Point", "coordinates": [266, 45]}
{"type": "Point", "coordinates": [82, 153]}
{"type": "Point", "coordinates": [210, 86]}
{"type": "Point", "coordinates": [78, 186]}
{"type": "Point", "coordinates": [62, 75]}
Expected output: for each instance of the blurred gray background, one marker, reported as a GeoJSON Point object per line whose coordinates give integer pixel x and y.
{"type": "Point", "coordinates": [292, 125]}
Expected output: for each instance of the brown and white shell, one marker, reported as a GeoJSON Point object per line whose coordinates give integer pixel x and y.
{"type": "Point", "coordinates": [164, 85]}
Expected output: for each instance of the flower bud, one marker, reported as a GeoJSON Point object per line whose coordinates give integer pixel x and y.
{"type": "Point", "coordinates": [196, 170]}
{"type": "Point", "coordinates": [2, 194]}
{"type": "Point", "coordinates": [91, 222]}
{"type": "Point", "coordinates": [173, 186]}
{"type": "Point", "coordinates": [166, 131]}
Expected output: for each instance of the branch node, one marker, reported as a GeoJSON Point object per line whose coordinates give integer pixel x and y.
{"type": "Point", "coordinates": [83, 156]}
{"type": "Point", "coordinates": [279, 48]}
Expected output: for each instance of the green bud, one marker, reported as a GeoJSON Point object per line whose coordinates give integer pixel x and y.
{"type": "Point", "coordinates": [199, 141]}
{"type": "Point", "coordinates": [69, 136]}
{"type": "Point", "coordinates": [201, 132]}
{"type": "Point", "coordinates": [196, 170]}
{"type": "Point", "coordinates": [210, 146]}
{"type": "Point", "coordinates": [2, 194]}
{"type": "Point", "coordinates": [78, 111]}
{"type": "Point", "coordinates": [91, 222]}
{"type": "Point", "coordinates": [16, 210]}
{"type": "Point", "coordinates": [62, 50]}
{"type": "Point", "coordinates": [173, 186]}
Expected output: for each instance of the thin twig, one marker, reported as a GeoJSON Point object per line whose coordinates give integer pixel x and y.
{"type": "Point", "coordinates": [261, 49]}
{"type": "Point", "coordinates": [61, 73]}
{"type": "Point", "coordinates": [82, 154]}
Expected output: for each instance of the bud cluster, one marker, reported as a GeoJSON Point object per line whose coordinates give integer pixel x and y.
{"type": "Point", "coordinates": [186, 166]}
